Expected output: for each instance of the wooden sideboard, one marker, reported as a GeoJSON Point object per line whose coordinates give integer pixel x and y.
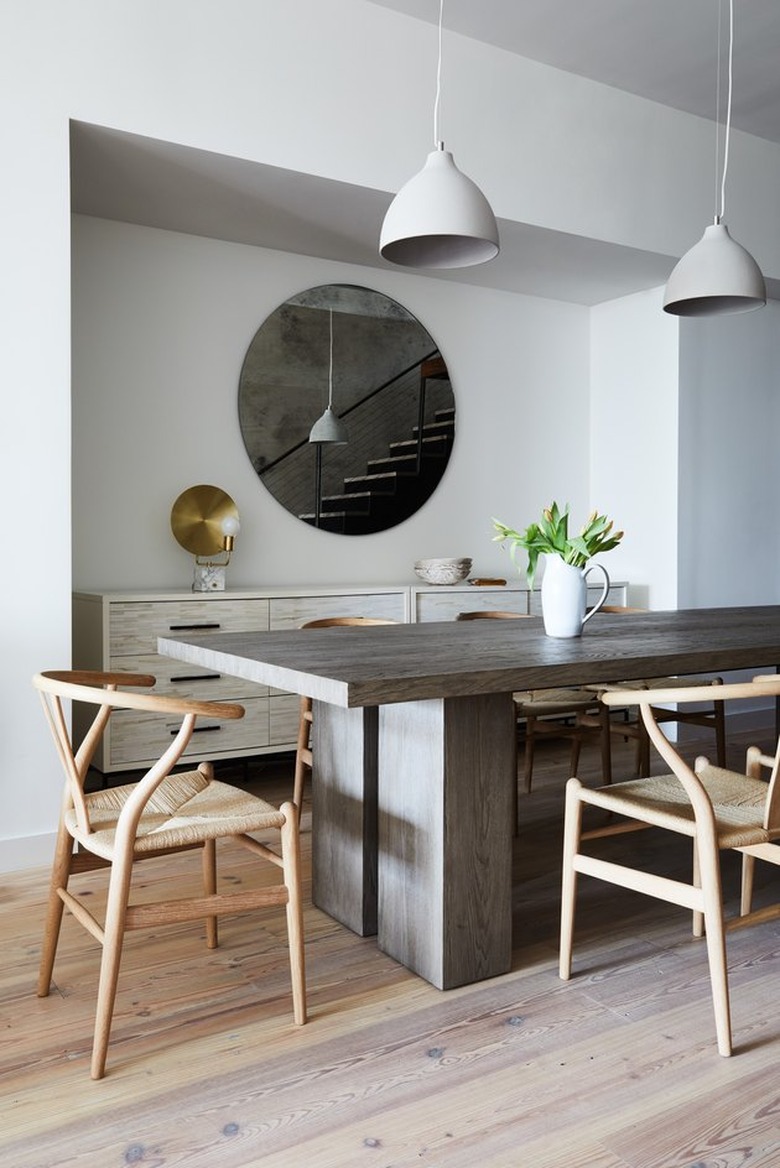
{"type": "Point", "coordinates": [119, 631]}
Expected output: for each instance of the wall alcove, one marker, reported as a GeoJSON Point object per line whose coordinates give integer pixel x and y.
{"type": "Point", "coordinates": [390, 387]}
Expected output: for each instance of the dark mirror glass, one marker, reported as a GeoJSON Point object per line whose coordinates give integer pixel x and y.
{"type": "Point", "coordinates": [390, 394]}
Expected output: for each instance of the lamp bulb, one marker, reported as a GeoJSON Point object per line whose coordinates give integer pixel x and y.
{"type": "Point", "coordinates": [230, 525]}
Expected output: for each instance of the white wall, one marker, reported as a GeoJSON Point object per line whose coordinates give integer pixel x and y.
{"type": "Point", "coordinates": [729, 425]}
{"type": "Point", "coordinates": [161, 324]}
{"type": "Point", "coordinates": [684, 422]}
{"type": "Point", "coordinates": [634, 431]}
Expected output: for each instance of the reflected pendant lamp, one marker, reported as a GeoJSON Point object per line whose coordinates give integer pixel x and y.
{"type": "Point", "coordinates": [717, 276]}
{"type": "Point", "coordinates": [329, 428]}
{"type": "Point", "coordinates": [439, 218]}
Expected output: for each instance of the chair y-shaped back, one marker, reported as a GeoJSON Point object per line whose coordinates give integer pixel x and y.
{"type": "Point", "coordinates": [161, 813]}
{"type": "Point", "coordinates": [716, 808]}
{"type": "Point", "coordinates": [303, 752]}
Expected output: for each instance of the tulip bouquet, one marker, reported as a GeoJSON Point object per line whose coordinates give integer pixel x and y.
{"type": "Point", "coordinates": [551, 537]}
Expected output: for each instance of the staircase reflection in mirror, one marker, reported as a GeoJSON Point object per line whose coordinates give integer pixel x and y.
{"type": "Point", "coordinates": [391, 387]}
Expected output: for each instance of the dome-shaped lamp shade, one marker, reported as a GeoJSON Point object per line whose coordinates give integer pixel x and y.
{"type": "Point", "coordinates": [715, 277]}
{"type": "Point", "coordinates": [329, 428]}
{"type": "Point", "coordinates": [439, 219]}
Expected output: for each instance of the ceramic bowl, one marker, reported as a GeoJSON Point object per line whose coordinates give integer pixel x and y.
{"type": "Point", "coordinates": [443, 571]}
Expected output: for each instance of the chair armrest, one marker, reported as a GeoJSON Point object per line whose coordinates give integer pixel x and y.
{"type": "Point", "coordinates": [681, 695]}
{"type": "Point", "coordinates": [66, 685]}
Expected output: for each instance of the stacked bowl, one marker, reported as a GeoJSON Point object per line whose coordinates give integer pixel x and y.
{"type": "Point", "coordinates": [443, 571]}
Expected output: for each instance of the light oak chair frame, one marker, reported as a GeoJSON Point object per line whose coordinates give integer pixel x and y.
{"type": "Point", "coordinates": [303, 751]}
{"type": "Point", "coordinates": [716, 808]}
{"type": "Point", "coordinates": [113, 830]}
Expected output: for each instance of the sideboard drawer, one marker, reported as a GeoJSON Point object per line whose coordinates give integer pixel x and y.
{"type": "Point", "coordinates": [139, 738]}
{"type": "Point", "coordinates": [290, 612]}
{"type": "Point", "coordinates": [136, 625]}
{"type": "Point", "coordinates": [284, 717]}
{"type": "Point", "coordinates": [189, 681]}
{"type": "Point", "coordinates": [444, 602]}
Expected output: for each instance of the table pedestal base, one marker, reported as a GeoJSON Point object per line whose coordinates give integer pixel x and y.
{"type": "Point", "coordinates": [446, 774]}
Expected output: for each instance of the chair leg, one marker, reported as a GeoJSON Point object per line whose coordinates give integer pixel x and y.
{"type": "Point", "coordinates": [746, 896]}
{"type": "Point", "coordinates": [571, 838]}
{"type": "Point", "coordinates": [606, 744]}
{"type": "Point", "coordinates": [515, 808]}
{"type": "Point", "coordinates": [515, 793]}
{"type": "Point", "coordinates": [529, 752]}
{"type": "Point", "coordinates": [715, 933]}
{"type": "Point", "coordinates": [301, 753]}
{"type": "Point", "coordinates": [698, 918]}
{"type": "Point", "coordinates": [719, 717]}
{"type": "Point", "coordinates": [643, 750]}
{"type": "Point", "coordinates": [113, 936]}
{"type": "Point", "coordinates": [291, 866]}
{"type": "Point", "coordinates": [209, 861]}
{"type": "Point", "coordinates": [51, 934]}
{"type": "Point", "coordinates": [576, 749]}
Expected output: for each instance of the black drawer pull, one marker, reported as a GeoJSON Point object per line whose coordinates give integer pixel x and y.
{"type": "Point", "coordinates": [198, 730]}
{"type": "Point", "coordinates": [197, 677]}
{"type": "Point", "coordinates": [181, 628]}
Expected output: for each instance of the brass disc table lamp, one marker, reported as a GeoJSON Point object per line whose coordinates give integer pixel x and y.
{"type": "Point", "coordinates": [204, 520]}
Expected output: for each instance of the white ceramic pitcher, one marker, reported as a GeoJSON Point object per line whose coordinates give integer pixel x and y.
{"type": "Point", "coordinates": [564, 595]}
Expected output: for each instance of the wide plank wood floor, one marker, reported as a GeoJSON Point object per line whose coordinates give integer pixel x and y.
{"type": "Point", "coordinates": [616, 1069]}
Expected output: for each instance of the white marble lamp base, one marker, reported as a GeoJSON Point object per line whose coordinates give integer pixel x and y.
{"type": "Point", "coordinates": [208, 578]}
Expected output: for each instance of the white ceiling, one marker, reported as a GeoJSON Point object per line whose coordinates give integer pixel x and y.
{"type": "Point", "coordinates": [665, 50]}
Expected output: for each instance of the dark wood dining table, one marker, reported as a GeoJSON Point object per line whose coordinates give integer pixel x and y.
{"type": "Point", "coordinates": [414, 749]}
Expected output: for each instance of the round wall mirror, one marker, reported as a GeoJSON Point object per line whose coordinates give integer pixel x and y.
{"type": "Point", "coordinates": [392, 426]}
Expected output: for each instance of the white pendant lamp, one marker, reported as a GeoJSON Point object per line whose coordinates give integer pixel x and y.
{"type": "Point", "coordinates": [717, 276]}
{"type": "Point", "coordinates": [329, 427]}
{"type": "Point", "coordinates": [439, 218]}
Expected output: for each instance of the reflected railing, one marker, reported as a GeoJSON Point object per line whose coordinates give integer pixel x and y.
{"type": "Point", "coordinates": [395, 411]}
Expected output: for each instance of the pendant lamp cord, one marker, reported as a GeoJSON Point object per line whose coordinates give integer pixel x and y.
{"type": "Point", "coordinates": [330, 360]}
{"type": "Point", "coordinates": [718, 72]}
{"type": "Point", "coordinates": [728, 114]}
{"type": "Point", "coordinates": [436, 139]}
